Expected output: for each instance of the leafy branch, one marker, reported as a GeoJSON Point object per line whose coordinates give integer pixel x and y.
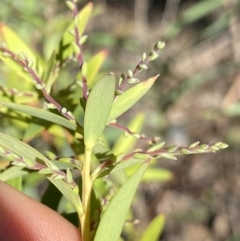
{"type": "Point", "coordinates": [22, 60]}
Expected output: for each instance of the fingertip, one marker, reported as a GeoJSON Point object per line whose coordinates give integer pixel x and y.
{"type": "Point", "coordinates": [23, 218]}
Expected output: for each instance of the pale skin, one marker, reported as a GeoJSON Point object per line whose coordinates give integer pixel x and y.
{"type": "Point", "coordinates": [24, 219]}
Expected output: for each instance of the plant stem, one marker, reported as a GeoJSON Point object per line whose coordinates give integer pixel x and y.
{"type": "Point", "coordinates": [86, 195]}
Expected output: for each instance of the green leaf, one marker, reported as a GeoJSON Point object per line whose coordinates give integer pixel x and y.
{"type": "Point", "coordinates": [51, 74]}
{"type": "Point", "coordinates": [32, 131]}
{"type": "Point", "coordinates": [123, 144]}
{"type": "Point", "coordinates": [16, 45]}
{"type": "Point", "coordinates": [16, 183]}
{"type": "Point", "coordinates": [98, 108]}
{"type": "Point", "coordinates": [41, 114]}
{"type": "Point", "coordinates": [12, 172]}
{"type": "Point", "coordinates": [71, 196]}
{"type": "Point", "coordinates": [113, 218]}
{"type": "Point", "coordinates": [126, 164]}
{"type": "Point", "coordinates": [126, 100]}
{"type": "Point", "coordinates": [21, 149]}
{"type": "Point", "coordinates": [154, 229]}
{"type": "Point", "coordinates": [65, 48]}
{"type": "Point", "coordinates": [94, 64]}
{"type": "Point", "coordinates": [157, 175]}
{"type": "Point", "coordinates": [200, 9]}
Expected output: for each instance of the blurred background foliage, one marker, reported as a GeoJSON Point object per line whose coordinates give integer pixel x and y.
{"type": "Point", "coordinates": [196, 98]}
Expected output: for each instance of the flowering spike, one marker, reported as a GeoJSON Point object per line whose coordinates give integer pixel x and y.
{"type": "Point", "coordinates": [136, 135]}
{"type": "Point", "coordinates": [45, 171]}
{"type": "Point", "coordinates": [223, 146]}
{"type": "Point", "coordinates": [144, 57]}
{"type": "Point", "coordinates": [130, 73]}
{"type": "Point", "coordinates": [50, 106]}
{"type": "Point", "coordinates": [143, 66]}
{"type": "Point", "coordinates": [194, 144]}
{"type": "Point", "coordinates": [218, 143]}
{"type": "Point", "coordinates": [167, 156]}
{"type": "Point", "coordinates": [23, 56]}
{"type": "Point", "coordinates": [83, 39]}
{"type": "Point", "coordinates": [203, 147]}
{"type": "Point", "coordinates": [214, 148]}
{"type": "Point", "coordinates": [70, 5]}
{"type": "Point", "coordinates": [63, 110]}
{"type": "Point", "coordinates": [133, 81]}
{"type": "Point", "coordinates": [6, 54]}
{"type": "Point", "coordinates": [160, 45]}
{"type": "Point", "coordinates": [185, 151]}
{"type": "Point", "coordinates": [172, 148]}
{"type": "Point", "coordinates": [153, 55]}
{"type": "Point", "coordinates": [118, 92]}
{"type": "Point", "coordinates": [39, 86]}
{"type": "Point", "coordinates": [157, 146]}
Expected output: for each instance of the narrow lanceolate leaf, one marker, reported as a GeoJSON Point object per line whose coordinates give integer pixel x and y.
{"type": "Point", "coordinates": [65, 49]}
{"type": "Point", "coordinates": [20, 149]}
{"type": "Point", "coordinates": [126, 100]}
{"type": "Point", "coordinates": [68, 193]}
{"type": "Point", "coordinates": [113, 218]}
{"type": "Point", "coordinates": [98, 108]}
{"type": "Point", "coordinates": [41, 114]}
{"type": "Point", "coordinates": [154, 229]}
{"type": "Point", "coordinates": [94, 64]}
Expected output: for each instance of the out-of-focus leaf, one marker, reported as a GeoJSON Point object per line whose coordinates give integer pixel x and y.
{"type": "Point", "coordinates": [93, 66]}
{"type": "Point", "coordinates": [152, 174]}
{"type": "Point", "coordinates": [12, 172]}
{"type": "Point", "coordinates": [65, 48]}
{"type": "Point", "coordinates": [217, 26]}
{"type": "Point", "coordinates": [32, 131]}
{"type": "Point", "coordinates": [157, 175]}
{"type": "Point", "coordinates": [16, 183]}
{"type": "Point", "coordinates": [154, 229]}
{"type": "Point", "coordinates": [200, 9]}
{"type": "Point", "coordinates": [19, 96]}
{"type": "Point", "coordinates": [50, 74]}
{"type": "Point", "coordinates": [123, 144]}
{"type": "Point", "coordinates": [232, 110]}
{"type": "Point", "coordinates": [42, 114]}
{"type": "Point", "coordinates": [126, 164]}
{"type": "Point", "coordinates": [98, 108]}
{"type": "Point", "coordinates": [113, 218]}
{"type": "Point", "coordinates": [16, 45]}
{"type": "Point", "coordinates": [126, 100]}
{"type": "Point", "coordinates": [67, 192]}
